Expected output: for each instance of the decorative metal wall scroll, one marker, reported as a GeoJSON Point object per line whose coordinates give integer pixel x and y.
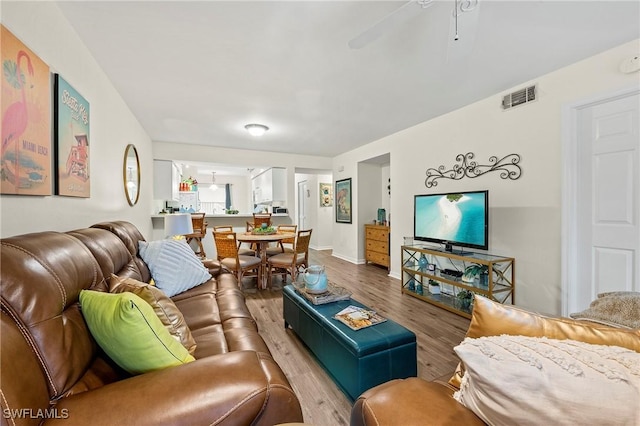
{"type": "Point", "coordinates": [467, 167]}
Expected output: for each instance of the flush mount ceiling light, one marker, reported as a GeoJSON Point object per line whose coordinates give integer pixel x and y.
{"type": "Point", "coordinates": [256, 129]}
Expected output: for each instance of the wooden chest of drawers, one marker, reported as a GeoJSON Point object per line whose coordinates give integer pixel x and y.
{"type": "Point", "coordinates": [377, 244]}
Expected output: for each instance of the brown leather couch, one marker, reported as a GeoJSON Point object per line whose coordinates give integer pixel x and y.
{"type": "Point", "coordinates": [414, 401]}
{"type": "Point", "coordinates": [53, 371]}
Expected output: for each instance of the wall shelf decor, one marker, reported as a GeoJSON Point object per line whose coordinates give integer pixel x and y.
{"type": "Point", "coordinates": [466, 166]}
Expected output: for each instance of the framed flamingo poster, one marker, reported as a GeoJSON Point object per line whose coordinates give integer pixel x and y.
{"type": "Point", "coordinates": [71, 130]}
{"type": "Point", "coordinates": [26, 120]}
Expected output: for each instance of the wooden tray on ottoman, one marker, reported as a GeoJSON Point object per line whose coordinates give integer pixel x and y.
{"type": "Point", "coordinates": [334, 293]}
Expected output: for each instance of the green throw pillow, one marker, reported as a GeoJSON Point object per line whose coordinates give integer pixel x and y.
{"type": "Point", "coordinates": [129, 331]}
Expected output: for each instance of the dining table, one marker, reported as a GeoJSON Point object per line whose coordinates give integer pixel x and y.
{"type": "Point", "coordinates": [262, 242]}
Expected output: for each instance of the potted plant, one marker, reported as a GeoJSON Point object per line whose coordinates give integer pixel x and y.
{"type": "Point", "coordinates": [465, 297]}
{"type": "Point", "coordinates": [476, 270]}
{"type": "Point", "coordinates": [434, 287]}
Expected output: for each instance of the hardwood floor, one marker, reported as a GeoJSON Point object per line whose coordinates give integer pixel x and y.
{"type": "Point", "coordinates": [437, 332]}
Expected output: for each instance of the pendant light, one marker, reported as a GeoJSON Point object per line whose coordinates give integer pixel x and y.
{"type": "Point", "coordinates": [213, 181]}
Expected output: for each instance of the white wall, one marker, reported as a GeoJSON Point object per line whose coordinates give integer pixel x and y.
{"type": "Point", "coordinates": [42, 27]}
{"type": "Point", "coordinates": [525, 214]}
{"type": "Point", "coordinates": [369, 201]}
{"type": "Point", "coordinates": [324, 217]}
{"type": "Point", "coordinates": [385, 202]}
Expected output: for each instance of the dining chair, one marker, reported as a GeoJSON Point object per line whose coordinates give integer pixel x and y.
{"type": "Point", "coordinates": [241, 250]}
{"type": "Point", "coordinates": [289, 242]}
{"type": "Point", "coordinates": [260, 218]}
{"type": "Point", "coordinates": [289, 263]}
{"type": "Point", "coordinates": [250, 228]}
{"type": "Point", "coordinates": [230, 259]}
{"type": "Point", "coordinates": [199, 232]}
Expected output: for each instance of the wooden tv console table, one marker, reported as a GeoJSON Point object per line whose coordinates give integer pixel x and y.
{"type": "Point", "coordinates": [500, 285]}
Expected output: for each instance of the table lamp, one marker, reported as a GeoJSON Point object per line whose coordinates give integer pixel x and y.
{"type": "Point", "coordinates": [177, 225]}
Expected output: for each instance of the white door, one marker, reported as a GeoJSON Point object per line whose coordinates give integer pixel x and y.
{"type": "Point", "coordinates": [303, 204]}
{"type": "Point", "coordinates": [607, 204]}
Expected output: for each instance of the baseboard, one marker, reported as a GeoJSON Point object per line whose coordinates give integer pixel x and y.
{"type": "Point", "coordinates": [321, 248]}
{"type": "Point", "coordinates": [345, 258]}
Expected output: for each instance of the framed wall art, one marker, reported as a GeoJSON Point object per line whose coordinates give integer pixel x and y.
{"type": "Point", "coordinates": [343, 201]}
{"type": "Point", "coordinates": [71, 130]}
{"type": "Point", "coordinates": [326, 195]}
{"type": "Point", "coordinates": [26, 120]}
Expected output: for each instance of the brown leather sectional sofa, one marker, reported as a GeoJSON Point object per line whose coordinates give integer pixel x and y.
{"type": "Point", "coordinates": [53, 371]}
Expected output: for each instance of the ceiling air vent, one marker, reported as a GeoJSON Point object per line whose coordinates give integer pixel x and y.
{"type": "Point", "coordinates": [519, 97]}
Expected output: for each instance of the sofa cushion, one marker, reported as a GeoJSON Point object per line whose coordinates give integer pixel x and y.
{"type": "Point", "coordinates": [41, 276]}
{"type": "Point", "coordinates": [130, 236]}
{"type": "Point", "coordinates": [128, 330]}
{"type": "Point", "coordinates": [173, 265]}
{"type": "Point", "coordinates": [110, 252]}
{"type": "Point", "coordinates": [531, 380]}
{"type": "Point", "coordinates": [491, 318]}
{"type": "Point", "coordinates": [617, 309]}
{"type": "Point", "coordinates": [165, 309]}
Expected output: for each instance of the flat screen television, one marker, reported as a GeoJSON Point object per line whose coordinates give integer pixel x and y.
{"type": "Point", "coordinates": [453, 219]}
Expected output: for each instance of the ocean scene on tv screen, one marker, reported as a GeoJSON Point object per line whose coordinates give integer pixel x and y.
{"type": "Point", "coordinates": [451, 217]}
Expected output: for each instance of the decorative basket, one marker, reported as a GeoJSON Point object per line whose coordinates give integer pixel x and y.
{"type": "Point", "coordinates": [270, 232]}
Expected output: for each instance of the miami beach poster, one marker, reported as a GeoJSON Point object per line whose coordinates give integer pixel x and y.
{"type": "Point", "coordinates": [26, 120]}
{"type": "Point", "coordinates": [72, 141]}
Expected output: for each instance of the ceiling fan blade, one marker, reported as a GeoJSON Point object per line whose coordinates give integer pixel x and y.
{"type": "Point", "coordinates": [395, 18]}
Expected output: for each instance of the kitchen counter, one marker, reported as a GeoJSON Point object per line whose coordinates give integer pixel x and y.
{"type": "Point", "coordinates": [230, 216]}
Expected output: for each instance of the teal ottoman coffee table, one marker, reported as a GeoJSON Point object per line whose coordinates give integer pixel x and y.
{"type": "Point", "coordinates": [355, 360]}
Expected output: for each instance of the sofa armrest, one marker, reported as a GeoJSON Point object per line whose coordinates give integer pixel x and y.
{"type": "Point", "coordinates": [234, 388]}
{"type": "Point", "coordinates": [213, 266]}
{"type": "Point", "coordinates": [410, 401]}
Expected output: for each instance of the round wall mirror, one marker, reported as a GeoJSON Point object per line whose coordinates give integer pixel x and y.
{"type": "Point", "coordinates": [131, 174]}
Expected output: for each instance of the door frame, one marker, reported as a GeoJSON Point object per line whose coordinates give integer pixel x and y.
{"type": "Point", "coordinates": [302, 208]}
{"type": "Point", "coordinates": [569, 231]}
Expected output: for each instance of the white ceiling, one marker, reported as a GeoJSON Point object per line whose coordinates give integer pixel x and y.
{"type": "Point", "coordinates": [197, 72]}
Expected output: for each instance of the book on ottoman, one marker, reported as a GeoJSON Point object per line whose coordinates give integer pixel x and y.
{"type": "Point", "coordinates": [357, 318]}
